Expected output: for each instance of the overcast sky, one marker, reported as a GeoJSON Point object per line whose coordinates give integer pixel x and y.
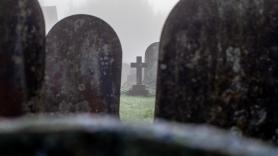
{"type": "Point", "coordinates": [138, 23]}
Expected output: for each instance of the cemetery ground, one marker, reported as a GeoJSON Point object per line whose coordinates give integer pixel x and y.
{"type": "Point", "coordinates": [137, 109]}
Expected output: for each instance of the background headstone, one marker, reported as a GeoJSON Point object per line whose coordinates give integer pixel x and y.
{"type": "Point", "coordinates": [218, 65]}
{"type": "Point", "coordinates": [150, 72]}
{"type": "Point", "coordinates": [130, 78]}
{"type": "Point", "coordinates": [125, 73]}
{"type": "Point", "coordinates": [83, 67]}
{"type": "Point", "coordinates": [22, 54]}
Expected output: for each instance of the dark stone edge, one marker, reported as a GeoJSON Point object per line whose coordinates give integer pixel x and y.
{"type": "Point", "coordinates": [192, 137]}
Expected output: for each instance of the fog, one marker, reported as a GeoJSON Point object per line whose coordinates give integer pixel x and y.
{"type": "Point", "coordinates": [138, 23]}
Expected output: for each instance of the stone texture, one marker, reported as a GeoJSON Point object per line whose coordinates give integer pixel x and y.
{"type": "Point", "coordinates": [218, 65]}
{"type": "Point", "coordinates": [150, 72]}
{"type": "Point", "coordinates": [21, 55]}
{"type": "Point", "coordinates": [85, 136]}
{"type": "Point", "coordinates": [83, 67]}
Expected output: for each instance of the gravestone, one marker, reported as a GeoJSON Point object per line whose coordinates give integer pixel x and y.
{"type": "Point", "coordinates": [87, 136]}
{"type": "Point", "coordinates": [139, 89]}
{"type": "Point", "coordinates": [21, 55]}
{"type": "Point", "coordinates": [130, 79]}
{"type": "Point", "coordinates": [218, 65]}
{"type": "Point", "coordinates": [125, 74]}
{"type": "Point", "coordinates": [83, 67]}
{"type": "Point", "coordinates": [150, 73]}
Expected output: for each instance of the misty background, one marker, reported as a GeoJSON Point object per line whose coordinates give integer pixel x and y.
{"type": "Point", "coordinates": [138, 23]}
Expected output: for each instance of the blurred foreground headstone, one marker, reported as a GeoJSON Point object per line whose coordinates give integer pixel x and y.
{"type": "Point", "coordinates": [218, 65]}
{"type": "Point", "coordinates": [85, 136]}
{"type": "Point", "coordinates": [22, 55]}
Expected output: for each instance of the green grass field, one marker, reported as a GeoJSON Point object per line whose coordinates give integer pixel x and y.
{"type": "Point", "coordinates": [138, 109]}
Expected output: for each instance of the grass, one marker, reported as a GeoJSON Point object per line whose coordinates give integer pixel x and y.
{"type": "Point", "coordinates": [137, 109]}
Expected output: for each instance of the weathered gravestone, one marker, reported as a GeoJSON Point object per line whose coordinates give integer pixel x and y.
{"type": "Point", "coordinates": [125, 84]}
{"type": "Point", "coordinates": [83, 67]}
{"type": "Point", "coordinates": [139, 89]}
{"type": "Point", "coordinates": [21, 55]}
{"type": "Point", "coordinates": [84, 136]}
{"type": "Point", "coordinates": [130, 80]}
{"type": "Point", "coordinates": [125, 73]}
{"type": "Point", "coordinates": [218, 65]}
{"type": "Point", "coordinates": [150, 72]}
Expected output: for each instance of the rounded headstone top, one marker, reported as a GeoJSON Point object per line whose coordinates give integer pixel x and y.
{"type": "Point", "coordinates": [152, 46]}
{"type": "Point", "coordinates": [152, 52]}
{"type": "Point", "coordinates": [80, 22]}
{"type": "Point", "coordinates": [22, 46]}
{"type": "Point", "coordinates": [84, 58]}
{"type": "Point", "coordinates": [150, 72]}
{"type": "Point", "coordinates": [217, 65]}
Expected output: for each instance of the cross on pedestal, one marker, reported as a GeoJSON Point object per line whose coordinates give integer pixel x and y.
{"type": "Point", "coordinates": [139, 89]}
{"type": "Point", "coordinates": [139, 65]}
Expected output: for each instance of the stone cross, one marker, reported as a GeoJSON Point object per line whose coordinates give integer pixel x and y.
{"type": "Point", "coordinates": [139, 65]}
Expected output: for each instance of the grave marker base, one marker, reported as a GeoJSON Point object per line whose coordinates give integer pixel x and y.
{"type": "Point", "coordinates": [138, 90]}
